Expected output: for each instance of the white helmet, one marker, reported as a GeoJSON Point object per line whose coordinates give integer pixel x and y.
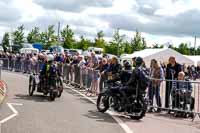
{"type": "Point", "coordinates": [50, 57]}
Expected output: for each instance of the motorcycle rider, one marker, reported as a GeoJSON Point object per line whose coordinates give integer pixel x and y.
{"type": "Point", "coordinates": [135, 85]}
{"type": "Point", "coordinates": [48, 71]}
{"type": "Point", "coordinates": [134, 82]}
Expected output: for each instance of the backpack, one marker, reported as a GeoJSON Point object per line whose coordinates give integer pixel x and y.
{"type": "Point", "coordinates": [143, 75]}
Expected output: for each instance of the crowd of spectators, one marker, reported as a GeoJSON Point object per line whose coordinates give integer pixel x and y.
{"type": "Point", "coordinates": [89, 72]}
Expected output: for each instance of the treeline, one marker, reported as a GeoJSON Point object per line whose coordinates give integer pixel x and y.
{"type": "Point", "coordinates": [66, 38]}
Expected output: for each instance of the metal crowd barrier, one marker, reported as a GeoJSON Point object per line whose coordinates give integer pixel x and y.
{"type": "Point", "coordinates": [82, 77]}
{"type": "Point", "coordinates": [21, 65]}
{"type": "Point", "coordinates": [178, 96]}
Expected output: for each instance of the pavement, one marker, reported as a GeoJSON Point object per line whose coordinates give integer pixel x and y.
{"type": "Point", "coordinates": [75, 113]}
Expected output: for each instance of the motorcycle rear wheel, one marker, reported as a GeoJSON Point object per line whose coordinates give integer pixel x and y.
{"type": "Point", "coordinates": [141, 108]}
{"type": "Point", "coordinates": [52, 96]}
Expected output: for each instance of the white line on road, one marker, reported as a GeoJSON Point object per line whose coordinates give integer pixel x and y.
{"type": "Point", "coordinates": [13, 110]}
{"type": "Point", "coordinates": [11, 116]}
{"type": "Point", "coordinates": [118, 120]}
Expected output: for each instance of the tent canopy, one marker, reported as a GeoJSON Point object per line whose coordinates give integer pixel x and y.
{"type": "Point", "coordinates": [161, 55]}
{"type": "Point", "coordinates": [195, 58]}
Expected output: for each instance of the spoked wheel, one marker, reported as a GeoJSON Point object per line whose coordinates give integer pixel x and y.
{"type": "Point", "coordinates": [139, 109]}
{"type": "Point", "coordinates": [60, 87]}
{"type": "Point", "coordinates": [102, 102]}
{"type": "Point", "coordinates": [32, 86]}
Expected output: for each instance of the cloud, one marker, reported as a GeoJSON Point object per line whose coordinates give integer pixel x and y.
{"type": "Point", "coordinates": [8, 12]}
{"type": "Point", "coordinates": [158, 20]}
{"type": "Point", "coordinates": [73, 5]}
{"type": "Point", "coordinates": [183, 24]}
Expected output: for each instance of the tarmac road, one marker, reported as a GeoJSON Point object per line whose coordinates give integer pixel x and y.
{"type": "Point", "coordinates": [72, 113]}
{"type": "Point", "coordinates": [69, 114]}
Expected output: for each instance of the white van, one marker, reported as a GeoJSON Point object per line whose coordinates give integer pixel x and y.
{"type": "Point", "coordinates": [1, 49]}
{"type": "Point", "coordinates": [29, 51]}
{"type": "Point", "coordinates": [97, 51]}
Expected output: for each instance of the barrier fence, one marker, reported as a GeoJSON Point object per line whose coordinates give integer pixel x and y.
{"type": "Point", "coordinates": [172, 95]}
{"type": "Point", "coordinates": [179, 96]}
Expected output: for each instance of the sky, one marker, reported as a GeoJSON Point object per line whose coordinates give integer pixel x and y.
{"type": "Point", "coordinates": [159, 21]}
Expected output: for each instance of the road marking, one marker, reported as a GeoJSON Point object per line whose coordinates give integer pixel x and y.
{"type": "Point", "coordinates": [118, 120]}
{"type": "Point", "coordinates": [10, 105]}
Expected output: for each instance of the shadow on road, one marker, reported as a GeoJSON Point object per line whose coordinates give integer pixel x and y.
{"type": "Point", "coordinates": [169, 116]}
{"type": "Point", "coordinates": [128, 119]}
{"type": "Point", "coordinates": [99, 117]}
{"type": "Point", "coordinates": [36, 98]}
{"type": "Point", "coordinates": [79, 97]}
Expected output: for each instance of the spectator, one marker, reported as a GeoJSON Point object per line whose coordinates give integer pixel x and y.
{"type": "Point", "coordinates": [133, 62]}
{"type": "Point", "coordinates": [157, 75]}
{"type": "Point", "coordinates": [172, 70]}
{"type": "Point", "coordinates": [94, 60]}
{"type": "Point", "coordinates": [183, 83]}
{"type": "Point", "coordinates": [67, 68]}
{"type": "Point", "coordinates": [103, 71]}
{"type": "Point", "coordinates": [114, 68]}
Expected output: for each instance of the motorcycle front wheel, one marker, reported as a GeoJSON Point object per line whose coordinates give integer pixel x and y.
{"type": "Point", "coordinates": [32, 86]}
{"type": "Point", "coordinates": [60, 87]}
{"type": "Point", "coordinates": [102, 102]}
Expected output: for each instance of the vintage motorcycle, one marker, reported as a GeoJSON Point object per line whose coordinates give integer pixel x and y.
{"type": "Point", "coordinates": [136, 106]}
{"type": "Point", "coordinates": [52, 85]}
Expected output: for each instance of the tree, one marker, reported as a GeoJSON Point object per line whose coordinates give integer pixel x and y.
{"type": "Point", "coordinates": [197, 51]}
{"type": "Point", "coordinates": [157, 46]}
{"type": "Point", "coordinates": [83, 43]}
{"type": "Point", "coordinates": [127, 47]}
{"type": "Point", "coordinates": [115, 46]}
{"type": "Point", "coordinates": [99, 40]}
{"type": "Point", "coordinates": [5, 41]}
{"type": "Point", "coordinates": [183, 49]}
{"type": "Point", "coordinates": [42, 37]}
{"type": "Point", "coordinates": [138, 43]}
{"type": "Point", "coordinates": [68, 37]}
{"type": "Point", "coordinates": [18, 36]}
{"type": "Point", "coordinates": [49, 38]}
{"type": "Point", "coordinates": [34, 36]}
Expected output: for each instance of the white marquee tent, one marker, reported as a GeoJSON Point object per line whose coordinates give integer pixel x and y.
{"type": "Point", "coordinates": [195, 58]}
{"type": "Point", "coordinates": [161, 55]}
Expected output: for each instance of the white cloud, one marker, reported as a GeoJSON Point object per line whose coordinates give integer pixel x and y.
{"type": "Point", "coordinates": [30, 11]}
{"type": "Point", "coordinates": [159, 21]}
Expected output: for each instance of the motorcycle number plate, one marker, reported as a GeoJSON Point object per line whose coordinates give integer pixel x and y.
{"type": "Point", "coordinates": [137, 114]}
{"type": "Point", "coordinates": [37, 80]}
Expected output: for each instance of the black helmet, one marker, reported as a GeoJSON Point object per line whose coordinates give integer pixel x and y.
{"type": "Point", "coordinates": [138, 61]}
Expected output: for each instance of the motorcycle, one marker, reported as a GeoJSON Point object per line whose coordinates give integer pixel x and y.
{"type": "Point", "coordinates": [52, 86]}
{"type": "Point", "coordinates": [111, 98]}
